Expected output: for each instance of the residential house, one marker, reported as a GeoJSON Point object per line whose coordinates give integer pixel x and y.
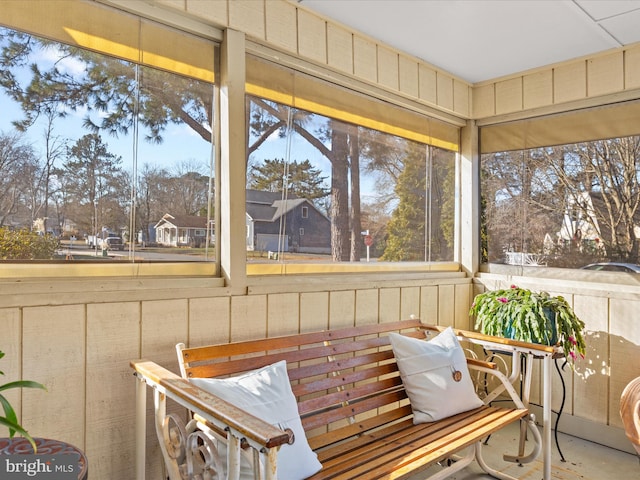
{"type": "Point", "coordinates": [181, 231]}
{"type": "Point", "coordinates": [287, 225]}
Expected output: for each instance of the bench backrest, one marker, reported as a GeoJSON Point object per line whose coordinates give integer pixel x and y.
{"type": "Point", "coordinates": [346, 381]}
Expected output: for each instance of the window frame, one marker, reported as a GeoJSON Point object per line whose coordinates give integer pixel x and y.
{"type": "Point", "coordinates": [142, 41]}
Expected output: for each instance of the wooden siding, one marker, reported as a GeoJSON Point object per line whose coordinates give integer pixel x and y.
{"type": "Point", "coordinates": [81, 350]}
{"type": "Point", "coordinates": [615, 72]}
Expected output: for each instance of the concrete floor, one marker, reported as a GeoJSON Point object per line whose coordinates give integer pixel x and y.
{"type": "Point", "coordinates": [584, 461]}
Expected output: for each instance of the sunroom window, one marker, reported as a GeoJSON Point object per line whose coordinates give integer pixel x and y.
{"type": "Point", "coordinates": [103, 158]}
{"type": "Point", "coordinates": [564, 192]}
{"type": "Point", "coordinates": [369, 182]}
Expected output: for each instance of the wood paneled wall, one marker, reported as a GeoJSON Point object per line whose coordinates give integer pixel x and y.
{"type": "Point", "coordinates": [81, 349]}
{"type": "Point", "coordinates": [555, 87]}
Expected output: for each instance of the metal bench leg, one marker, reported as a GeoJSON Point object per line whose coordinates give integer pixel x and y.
{"type": "Point", "coordinates": [460, 463]}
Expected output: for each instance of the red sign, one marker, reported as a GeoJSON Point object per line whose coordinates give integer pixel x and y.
{"type": "Point", "coordinates": [368, 240]}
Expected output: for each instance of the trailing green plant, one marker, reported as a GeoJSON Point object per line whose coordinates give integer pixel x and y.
{"type": "Point", "coordinates": [10, 419]}
{"type": "Point", "coordinates": [535, 317]}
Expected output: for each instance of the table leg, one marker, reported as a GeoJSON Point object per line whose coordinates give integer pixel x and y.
{"type": "Point", "coordinates": [141, 428]}
{"type": "Point", "coordinates": [546, 418]}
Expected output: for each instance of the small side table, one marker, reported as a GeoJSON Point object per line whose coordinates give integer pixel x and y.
{"type": "Point", "coordinates": [46, 446]}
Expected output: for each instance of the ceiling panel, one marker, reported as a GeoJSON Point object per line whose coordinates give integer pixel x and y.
{"type": "Point", "coordinates": [479, 40]}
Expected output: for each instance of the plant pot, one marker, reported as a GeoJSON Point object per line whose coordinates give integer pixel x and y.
{"type": "Point", "coordinates": [509, 331]}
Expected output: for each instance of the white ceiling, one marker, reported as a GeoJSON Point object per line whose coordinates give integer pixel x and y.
{"type": "Point", "coordinates": [478, 40]}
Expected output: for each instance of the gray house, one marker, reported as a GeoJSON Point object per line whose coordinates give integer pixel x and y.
{"type": "Point", "coordinates": [291, 225]}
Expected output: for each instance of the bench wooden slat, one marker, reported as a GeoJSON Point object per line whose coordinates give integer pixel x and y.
{"type": "Point", "coordinates": [352, 396]}
{"type": "Point", "coordinates": [229, 367]}
{"type": "Point", "coordinates": [425, 443]}
{"type": "Point", "coordinates": [340, 364]}
{"type": "Point", "coordinates": [389, 432]}
{"type": "Point", "coordinates": [205, 353]}
{"type": "Point", "coordinates": [352, 431]}
{"type": "Point", "coordinates": [344, 377]}
{"type": "Point", "coordinates": [347, 411]}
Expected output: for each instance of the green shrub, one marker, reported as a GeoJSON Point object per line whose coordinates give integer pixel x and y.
{"type": "Point", "coordinates": [26, 245]}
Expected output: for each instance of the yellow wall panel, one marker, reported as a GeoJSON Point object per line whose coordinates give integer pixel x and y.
{"type": "Point", "coordinates": [461, 93]}
{"type": "Point", "coordinates": [445, 91]}
{"type": "Point", "coordinates": [164, 324]}
{"type": "Point", "coordinates": [54, 354]}
{"type": "Point", "coordinates": [281, 25]}
{"type": "Point", "coordinates": [365, 59]}
{"type": "Point", "coordinates": [209, 321]}
{"type": "Point", "coordinates": [463, 299]}
{"type": "Point", "coordinates": [314, 311]}
{"type": "Point", "coordinates": [367, 306]}
{"type": "Point", "coordinates": [605, 74]}
{"type": "Point", "coordinates": [509, 96]}
{"type": "Point", "coordinates": [215, 12]}
{"type": "Point", "coordinates": [11, 363]}
{"type": "Point", "coordinates": [389, 305]}
{"type": "Point", "coordinates": [428, 84]}
{"type": "Point", "coordinates": [408, 78]}
{"type": "Point", "coordinates": [483, 101]}
{"type": "Point", "coordinates": [248, 16]}
{"type": "Point", "coordinates": [282, 314]}
{"type": "Point", "coordinates": [429, 304]}
{"type": "Point", "coordinates": [591, 381]}
{"type": "Point", "coordinates": [312, 36]}
{"type": "Point", "coordinates": [625, 359]}
{"type": "Point", "coordinates": [342, 309]}
{"type": "Point", "coordinates": [388, 68]}
{"type": "Point", "coordinates": [409, 302]}
{"type": "Point", "coordinates": [446, 306]}
{"type": "Point", "coordinates": [339, 48]}
{"type": "Point", "coordinates": [248, 317]}
{"type": "Point", "coordinates": [632, 68]}
{"type": "Point", "coordinates": [570, 82]}
{"type": "Point", "coordinates": [537, 89]}
{"type": "Point", "coordinates": [113, 337]}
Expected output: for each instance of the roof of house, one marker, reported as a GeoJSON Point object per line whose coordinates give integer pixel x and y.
{"type": "Point", "coordinates": [269, 206]}
{"type": "Point", "coordinates": [183, 221]}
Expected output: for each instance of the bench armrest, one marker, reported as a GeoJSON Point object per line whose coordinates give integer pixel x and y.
{"type": "Point", "coordinates": [242, 429]}
{"type": "Point", "coordinates": [497, 343]}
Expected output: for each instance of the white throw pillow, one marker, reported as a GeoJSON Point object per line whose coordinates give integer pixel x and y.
{"type": "Point", "coordinates": [435, 375]}
{"type": "Point", "coordinates": [266, 393]}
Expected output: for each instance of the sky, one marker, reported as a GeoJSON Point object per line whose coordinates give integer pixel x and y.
{"type": "Point", "coordinates": [180, 144]}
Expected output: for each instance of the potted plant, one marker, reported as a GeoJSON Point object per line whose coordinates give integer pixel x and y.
{"type": "Point", "coordinates": [535, 317]}
{"type": "Point", "coordinates": [10, 419]}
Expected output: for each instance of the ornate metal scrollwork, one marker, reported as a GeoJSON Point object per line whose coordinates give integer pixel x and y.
{"type": "Point", "coordinates": [194, 452]}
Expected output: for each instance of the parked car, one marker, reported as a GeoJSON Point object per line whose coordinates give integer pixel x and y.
{"type": "Point", "coordinates": [613, 267]}
{"type": "Point", "coordinates": [109, 243]}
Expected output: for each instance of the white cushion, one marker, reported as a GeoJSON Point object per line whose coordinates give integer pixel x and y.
{"type": "Point", "coordinates": [428, 371]}
{"type": "Point", "coordinates": [266, 393]}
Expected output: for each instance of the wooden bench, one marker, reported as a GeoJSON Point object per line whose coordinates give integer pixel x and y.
{"type": "Point", "coordinates": [351, 401]}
